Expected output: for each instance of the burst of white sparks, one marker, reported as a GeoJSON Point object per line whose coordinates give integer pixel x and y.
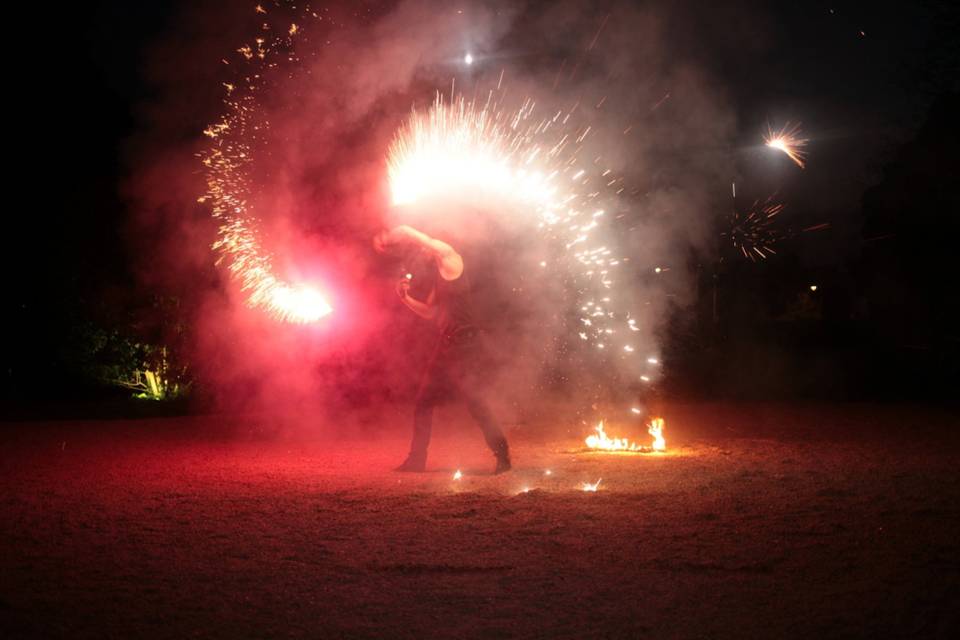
{"type": "Point", "coordinates": [790, 141]}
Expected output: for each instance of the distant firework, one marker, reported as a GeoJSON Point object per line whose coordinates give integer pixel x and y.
{"type": "Point", "coordinates": [789, 141]}
{"type": "Point", "coordinates": [753, 232]}
{"type": "Point", "coordinates": [229, 161]}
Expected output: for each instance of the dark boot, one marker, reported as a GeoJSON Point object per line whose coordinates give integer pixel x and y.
{"type": "Point", "coordinates": [502, 452]}
{"type": "Point", "coordinates": [415, 463]}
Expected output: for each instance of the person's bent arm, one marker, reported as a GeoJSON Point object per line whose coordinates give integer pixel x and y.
{"type": "Point", "coordinates": [426, 310]}
{"type": "Point", "coordinates": [449, 262]}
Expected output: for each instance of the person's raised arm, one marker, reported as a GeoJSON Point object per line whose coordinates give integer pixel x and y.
{"type": "Point", "coordinates": [449, 262]}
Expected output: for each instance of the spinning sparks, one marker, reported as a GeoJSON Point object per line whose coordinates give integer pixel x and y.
{"type": "Point", "coordinates": [601, 441]}
{"type": "Point", "coordinates": [461, 148]}
{"type": "Point", "coordinates": [228, 161]}
{"type": "Point", "coordinates": [477, 152]}
{"type": "Point", "coordinates": [789, 141]}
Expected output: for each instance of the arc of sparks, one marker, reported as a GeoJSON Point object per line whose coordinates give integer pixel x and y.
{"type": "Point", "coordinates": [228, 160]}
{"type": "Point", "coordinates": [790, 141]}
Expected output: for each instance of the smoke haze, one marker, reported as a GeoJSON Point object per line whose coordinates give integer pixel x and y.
{"type": "Point", "coordinates": [635, 74]}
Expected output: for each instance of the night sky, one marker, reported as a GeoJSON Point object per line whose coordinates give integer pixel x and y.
{"type": "Point", "coordinates": [861, 77]}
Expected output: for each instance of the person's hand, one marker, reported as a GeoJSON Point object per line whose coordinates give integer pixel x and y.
{"type": "Point", "coordinates": [381, 241]}
{"type": "Point", "coordinates": [403, 288]}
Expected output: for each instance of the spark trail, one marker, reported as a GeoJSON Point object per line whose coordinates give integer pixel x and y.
{"type": "Point", "coordinates": [229, 160]}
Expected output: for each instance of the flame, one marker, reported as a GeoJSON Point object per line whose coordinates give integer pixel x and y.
{"type": "Point", "coordinates": [656, 430]}
{"type": "Point", "coordinates": [600, 440]}
{"type": "Point", "coordinates": [591, 486]}
{"type": "Point", "coordinates": [457, 475]}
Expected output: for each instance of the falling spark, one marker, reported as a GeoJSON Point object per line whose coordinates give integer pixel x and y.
{"type": "Point", "coordinates": [789, 141]}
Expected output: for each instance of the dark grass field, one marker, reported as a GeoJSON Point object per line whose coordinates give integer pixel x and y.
{"type": "Point", "coordinates": [762, 521]}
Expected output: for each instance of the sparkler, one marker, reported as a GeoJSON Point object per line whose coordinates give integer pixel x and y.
{"type": "Point", "coordinates": [789, 141]}
{"type": "Point", "coordinates": [228, 161]}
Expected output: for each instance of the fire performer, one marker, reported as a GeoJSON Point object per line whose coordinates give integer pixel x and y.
{"type": "Point", "coordinates": [455, 367]}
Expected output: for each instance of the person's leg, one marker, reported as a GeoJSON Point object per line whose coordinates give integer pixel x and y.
{"type": "Point", "coordinates": [428, 397]}
{"type": "Point", "coordinates": [481, 412]}
{"type": "Point", "coordinates": [470, 388]}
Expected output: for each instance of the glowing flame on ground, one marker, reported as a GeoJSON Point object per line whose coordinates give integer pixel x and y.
{"type": "Point", "coordinates": [457, 475]}
{"type": "Point", "coordinates": [601, 441]}
{"type": "Point", "coordinates": [591, 486]}
{"type": "Point", "coordinates": [789, 141]}
{"type": "Point", "coordinates": [655, 429]}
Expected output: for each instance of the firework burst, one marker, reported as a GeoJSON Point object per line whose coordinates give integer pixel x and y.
{"type": "Point", "coordinates": [754, 232]}
{"type": "Point", "coordinates": [790, 141]}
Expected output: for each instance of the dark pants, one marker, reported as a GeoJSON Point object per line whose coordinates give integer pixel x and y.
{"type": "Point", "coordinates": [454, 371]}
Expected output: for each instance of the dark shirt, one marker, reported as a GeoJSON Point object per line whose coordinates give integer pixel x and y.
{"type": "Point", "coordinates": [454, 302]}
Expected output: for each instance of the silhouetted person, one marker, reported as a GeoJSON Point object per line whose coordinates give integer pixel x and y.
{"type": "Point", "coordinates": [454, 368]}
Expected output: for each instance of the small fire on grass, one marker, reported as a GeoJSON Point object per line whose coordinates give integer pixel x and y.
{"type": "Point", "coordinates": [591, 486]}
{"type": "Point", "coordinates": [600, 441]}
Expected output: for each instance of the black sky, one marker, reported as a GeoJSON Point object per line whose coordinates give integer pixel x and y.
{"type": "Point", "coordinates": [860, 76]}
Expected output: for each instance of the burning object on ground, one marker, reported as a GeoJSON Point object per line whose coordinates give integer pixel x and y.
{"type": "Point", "coordinates": [600, 441]}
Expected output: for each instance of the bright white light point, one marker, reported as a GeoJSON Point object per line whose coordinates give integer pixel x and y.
{"type": "Point", "coordinates": [457, 475]}
{"type": "Point", "coordinates": [813, 287]}
{"type": "Point", "coordinates": [652, 360]}
{"type": "Point", "coordinates": [591, 486]}
{"type": "Point", "coordinates": [543, 263]}
{"type": "Point", "coordinates": [409, 276]}
{"type": "Point", "coordinates": [525, 490]}
{"type": "Point", "coordinates": [657, 270]}
{"type": "Point", "coordinates": [548, 472]}
{"type": "Point", "coordinates": [628, 348]}
{"type": "Point", "coordinates": [635, 410]}
{"type": "Point", "coordinates": [468, 59]}
{"type": "Point", "coordinates": [645, 378]}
